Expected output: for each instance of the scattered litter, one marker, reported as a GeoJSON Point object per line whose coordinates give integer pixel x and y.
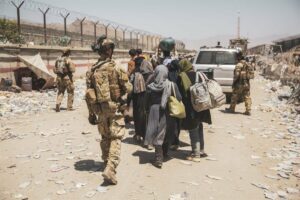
{"type": "Point", "coordinates": [36, 156]}
{"type": "Point", "coordinates": [272, 177]}
{"type": "Point", "coordinates": [80, 185]}
{"type": "Point", "coordinates": [239, 137]}
{"type": "Point", "coordinates": [271, 195]}
{"type": "Point", "coordinates": [52, 159]}
{"type": "Point", "coordinates": [44, 150]}
{"type": "Point", "coordinates": [22, 156]}
{"type": "Point", "coordinates": [214, 177]}
{"type": "Point", "coordinates": [101, 189]}
{"type": "Point", "coordinates": [211, 159]}
{"type": "Point", "coordinates": [190, 183]}
{"type": "Point", "coordinates": [292, 190]}
{"type": "Point", "coordinates": [185, 162]}
{"type": "Point", "coordinates": [90, 194]}
{"type": "Point", "coordinates": [58, 168]}
{"type": "Point", "coordinates": [282, 194]}
{"type": "Point", "coordinates": [61, 192]}
{"type": "Point", "coordinates": [70, 157]}
{"type": "Point", "coordinates": [255, 157]}
{"type": "Point", "coordinates": [86, 132]}
{"type": "Point", "coordinates": [24, 185]}
{"type": "Point", "coordinates": [20, 196]}
{"type": "Point", "coordinates": [283, 175]}
{"type": "Point", "coordinates": [59, 182]}
{"type": "Point", "coordinates": [182, 196]}
{"type": "Point", "coordinates": [261, 186]}
{"type": "Point", "coordinates": [12, 166]}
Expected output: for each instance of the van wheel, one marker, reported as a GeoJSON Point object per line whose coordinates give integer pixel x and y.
{"type": "Point", "coordinates": [228, 98]}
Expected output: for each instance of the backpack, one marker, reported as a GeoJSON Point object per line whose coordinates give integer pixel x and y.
{"type": "Point", "coordinates": [200, 97]}
{"type": "Point", "coordinates": [247, 71]}
{"type": "Point", "coordinates": [138, 83]}
{"type": "Point", "coordinates": [99, 82]}
{"type": "Point", "coordinates": [61, 66]}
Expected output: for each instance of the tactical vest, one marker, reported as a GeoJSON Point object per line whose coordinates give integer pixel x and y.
{"type": "Point", "coordinates": [103, 79]}
{"type": "Point", "coordinates": [61, 66]}
{"type": "Point", "coordinates": [246, 73]}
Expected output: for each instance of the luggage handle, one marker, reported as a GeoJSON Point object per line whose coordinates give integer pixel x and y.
{"type": "Point", "coordinates": [202, 76]}
{"type": "Point", "coordinates": [173, 89]}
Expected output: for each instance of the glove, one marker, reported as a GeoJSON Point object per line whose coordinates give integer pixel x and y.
{"type": "Point", "coordinates": [93, 119]}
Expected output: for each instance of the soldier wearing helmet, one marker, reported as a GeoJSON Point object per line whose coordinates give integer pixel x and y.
{"type": "Point", "coordinates": [107, 89]}
{"type": "Point", "coordinates": [243, 72]}
{"type": "Point", "coordinates": [64, 69]}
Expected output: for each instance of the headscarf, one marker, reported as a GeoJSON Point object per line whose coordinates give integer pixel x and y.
{"type": "Point", "coordinates": [185, 66]}
{"type": "Point", "coordinates": [160, 79]}
{"type": "Point", "coordinates": [161, 84]}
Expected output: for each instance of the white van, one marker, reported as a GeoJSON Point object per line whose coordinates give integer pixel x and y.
{"type": "Point", "coordinates": [219, 64]}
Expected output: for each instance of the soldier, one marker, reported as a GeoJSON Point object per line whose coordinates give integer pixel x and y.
{"type": "Point", "coordinates": [108, 85]}
{"type": "Point", "coordinates": [243, 72]}
{"type": "Point", "coordinates": [64, 68]}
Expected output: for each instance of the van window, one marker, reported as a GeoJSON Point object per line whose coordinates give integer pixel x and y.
{"type": "Point", "coordinates": [225, 58]}
{"type": "Point", "coordinates": [217, 57]}
{"type": "Point", "coordinates": [205, 57]}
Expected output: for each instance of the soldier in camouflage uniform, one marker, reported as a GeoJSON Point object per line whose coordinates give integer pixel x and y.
{"type": "Point", "coordinates": [243, 72]}
{"type": "Point", "coordinates": [108, 114]}
{"type": "Point", "coordinates": [64, 68]}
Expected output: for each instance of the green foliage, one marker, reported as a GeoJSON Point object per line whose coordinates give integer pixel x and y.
{"type": "Point", "coordinates": [9, 32]}
{"type": "Point", "coordinates": [64, 41]}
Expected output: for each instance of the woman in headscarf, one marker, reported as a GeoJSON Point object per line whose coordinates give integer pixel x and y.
{"type": "Point", "coordinates": [193, 120]}
{"type": "Point", "coordinates": [159, 91]}
{"type": "Point", "coordinates": [142, 71]}
{"type": "Point", "coordinates": [174, 124]}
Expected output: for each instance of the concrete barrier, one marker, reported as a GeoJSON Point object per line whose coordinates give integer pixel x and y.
{"type": "Point", "coordinates": [82, 57]}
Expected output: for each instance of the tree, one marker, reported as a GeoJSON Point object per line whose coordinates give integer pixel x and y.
{"type": "Point", "coordinates": [9, 32]}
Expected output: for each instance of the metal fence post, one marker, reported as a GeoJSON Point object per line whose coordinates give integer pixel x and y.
{"type": "Point", "coordinates": [81, 31]}
{"type": "Point", "coordinates": [116, 28]}
{"type": "Point", "coordinates": [45, 24]}
{"type": "Point", "coordinates": [95, 30]}
{"type": "Point", "coordinates": [106, 30]}
{"type": "Point", "coordinates": [18, 15]}
{"type": "Point", "coordinates": [137, 40]}
{"type": "Point", "coordinates": [131, 40]}
{"type": "Point", "coordinates": [65, 21]}
{"type": "Point", "coordinates": [124, 32]}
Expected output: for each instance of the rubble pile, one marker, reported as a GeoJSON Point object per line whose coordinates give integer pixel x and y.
{"type": "Point", "coordinates": [12, 104]}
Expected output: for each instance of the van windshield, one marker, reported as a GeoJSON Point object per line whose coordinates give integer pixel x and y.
{"type": "Point", "coordinates": [216, 58]}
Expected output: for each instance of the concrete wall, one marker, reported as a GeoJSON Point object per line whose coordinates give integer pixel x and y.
{"type": "Point", "coordinates": [83, 58]}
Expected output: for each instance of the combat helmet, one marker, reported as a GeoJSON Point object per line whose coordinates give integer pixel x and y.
{"type": "Point", "coordinates": [102, 44]}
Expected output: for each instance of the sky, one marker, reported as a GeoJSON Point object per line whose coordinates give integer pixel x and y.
{"type": "Point", "coordinates": [197, 21]}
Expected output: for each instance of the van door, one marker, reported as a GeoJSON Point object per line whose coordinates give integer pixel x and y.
{"type": "Point", "coordinates": [225, 62]}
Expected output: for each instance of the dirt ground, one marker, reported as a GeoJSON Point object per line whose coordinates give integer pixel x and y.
{"type": "Point", "coordinates": [57, 156]}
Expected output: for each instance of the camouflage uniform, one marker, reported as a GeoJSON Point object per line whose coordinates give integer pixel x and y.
{"type": "Point", "coordinates": [111, 123]}
{"type": "Point", "coordinates": [65, 82]}
{"type": "Point", "coordinates": [241, 86]}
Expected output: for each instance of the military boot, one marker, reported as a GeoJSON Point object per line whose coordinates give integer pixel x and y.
{"type": "Point", "coordinates": [247, 113]}
{"type": "Point", "coordinates": [231, 109]}
{"type": "Point", "coordinates": [57, 109]}
{"type": "Point", "coordinates": [109, 175]}
{"type": "Point", "coordinates": [157, 162]}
